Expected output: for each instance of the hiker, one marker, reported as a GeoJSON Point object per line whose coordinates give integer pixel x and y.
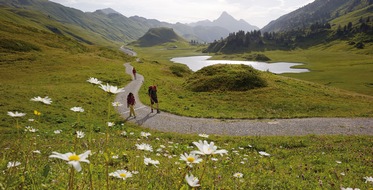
{"type": "Point", "coordinates": [131, 104]}
{"type": "Point", "coordinates": [134, 73]}
{"type": "Point", "coordinates": [152, 92]}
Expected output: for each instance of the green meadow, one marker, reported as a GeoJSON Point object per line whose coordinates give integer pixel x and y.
{"type": "Point", "coordinates": [57, 67]}
{"type": "Point", "coordinates": [285, 96]}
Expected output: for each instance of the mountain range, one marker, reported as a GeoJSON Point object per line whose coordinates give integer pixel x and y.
{"type": "Point", "coordinates": [202, 31]}
{"type": "Point", "coordinates": [112, 25]}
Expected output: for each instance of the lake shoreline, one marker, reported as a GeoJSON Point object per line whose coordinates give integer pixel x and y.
{"type": "Point", "coordinates": [196, 63]}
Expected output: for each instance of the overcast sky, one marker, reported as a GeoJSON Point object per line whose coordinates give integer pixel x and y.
{"type": "Point", "coordinates": [255, 12]}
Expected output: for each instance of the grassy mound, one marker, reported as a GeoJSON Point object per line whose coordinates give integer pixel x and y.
{"type": "Point", "coordinates": [225, 77]}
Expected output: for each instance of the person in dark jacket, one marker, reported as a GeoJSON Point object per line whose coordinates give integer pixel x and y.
{"type": "Point", "coordinates": [131, 104]}
{"type": "Point", "coordinates": [152, 92]}
{"type": "Point", "coordinates": [134, 72]}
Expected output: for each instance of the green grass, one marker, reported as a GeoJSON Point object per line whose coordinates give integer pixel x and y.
{"type": "Point", "coordinates": [335, 64]}
{"type": "Point", "coordinates": [309, 162]}
{"type": "Point", "coordinates": [58, 68]}
{"type": "Point", "coordinates": [283, 97]}
{"type": "Point", "coordinates": [62, 77]}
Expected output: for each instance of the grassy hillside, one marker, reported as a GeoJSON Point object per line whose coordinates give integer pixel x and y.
{"type": "Point", "coordinates": [35, 62]}
{"type": "Point", "coordinates": [318, 11]}
{"type": "Point", "coordinates": [353, 17]}
{"type": "Point", "coordinates": [114, 27]}
{"type": "Point", "coordinates": [44, 23]}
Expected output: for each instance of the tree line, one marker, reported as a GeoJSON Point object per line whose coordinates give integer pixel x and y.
{"type": "Point", "coordinates": [296, 38]}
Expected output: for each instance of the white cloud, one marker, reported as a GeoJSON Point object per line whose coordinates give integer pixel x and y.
{"type": "Point", "coordinates": [255, 12]}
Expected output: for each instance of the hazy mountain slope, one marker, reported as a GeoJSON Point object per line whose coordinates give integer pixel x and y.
{"type": "Point", "coordinates": [227, 22]}
{"type": "Point", "coordinates": [320, 11]}
{"type": "Point", "coordinates": [210, 33]}
{"type": "Point", "coordinates": [39, 21]}
{"type": "Point", "coordinates": [115, 27]}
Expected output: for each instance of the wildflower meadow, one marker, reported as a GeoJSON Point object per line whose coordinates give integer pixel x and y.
{"type": "Point", "coordinates": [120, 155]}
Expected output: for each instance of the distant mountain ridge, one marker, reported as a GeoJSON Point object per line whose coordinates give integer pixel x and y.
{"type": "Point", "coordinates": [109, 11]}
{"type": "Point", "coordinates": [228, 22]}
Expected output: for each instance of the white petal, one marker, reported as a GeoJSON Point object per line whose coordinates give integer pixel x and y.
{"type": "Point", "coordinates": [76, 165]}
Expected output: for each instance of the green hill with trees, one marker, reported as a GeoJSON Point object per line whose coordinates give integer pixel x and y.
{"type": "Point", "coordinates": [319, 11]}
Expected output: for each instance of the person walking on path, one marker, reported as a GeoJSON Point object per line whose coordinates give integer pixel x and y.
{"type": "Point", "coordinates": [131, 104]}
{"type": "Point", "coordinates": [134, 72]}
{"type": "Point", "coordinates": [152, 92]}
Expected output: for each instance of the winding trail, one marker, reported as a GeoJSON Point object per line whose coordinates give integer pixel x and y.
{"type": "Point", "coordinates": [167, 122]}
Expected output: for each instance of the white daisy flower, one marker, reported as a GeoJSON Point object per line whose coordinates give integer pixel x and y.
{"type": "Point", "coordinates": [16, 114]}
{"type": "Point", "coordinates": [238, 175]}
{"type": "Point", "coordinates": [190, 159]}
{"type": "Point", "coordinates": [94, 81]}
{"type": "Point", "coordinates": [13, 164]}
{"type": "Point", "coordinates": [72, 158]}
{"type": "Point", "coordinates": [192, 181]}
{"type": "Point", "coordinates": [121, 174]}
{"type": "Point", "coordinates": [205, 148]}
{"type": "Point", "coordinates": [77, 109]}
{"type": "Point", "coordinates": [264, 153]}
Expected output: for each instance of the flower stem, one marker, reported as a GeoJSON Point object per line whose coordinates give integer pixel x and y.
{"type": "Point", "coordinates": [183, 176]}
{"type": "Point", "coordinates": [90, 177]}
{"type": "Point", "coordinates": [18, 135]}
{"type": "Point", "coordinates": [71, 180]}
{"type": "Point", "coordinates": [106, 145]}
{"type": "Point", "coordinates": [204, 169]}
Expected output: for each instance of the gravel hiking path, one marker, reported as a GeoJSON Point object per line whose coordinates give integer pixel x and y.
{"type": "Point", "coordinates": [166, 122]}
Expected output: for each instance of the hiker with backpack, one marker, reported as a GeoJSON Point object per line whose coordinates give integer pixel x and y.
{"type": "Point", "coordinates": [152, 93]}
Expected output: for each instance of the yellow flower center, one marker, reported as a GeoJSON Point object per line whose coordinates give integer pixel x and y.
{"type": "Point", "coordinates": [122, 175]}
{"type": "Point", "coordinates": [74, 158]}
{"type": "Point", "coordinates": [190, 159]}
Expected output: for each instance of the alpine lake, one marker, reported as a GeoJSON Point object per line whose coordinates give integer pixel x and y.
{"type": "Point", "coordinates": [196, 63]}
